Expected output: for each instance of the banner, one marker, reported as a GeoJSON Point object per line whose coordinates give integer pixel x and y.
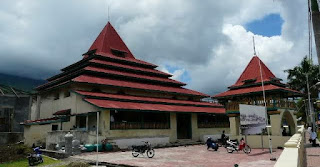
{"type": "Point", "coordinates": [252, 119]}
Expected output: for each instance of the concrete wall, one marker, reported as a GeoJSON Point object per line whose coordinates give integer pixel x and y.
{"type": "Point", "coordinates": [21, 107]}
{"type": "Point", "coordinates": [254, 141]}
{"type": "Point", "coordinates": [56, 137]}
{"type": "Point", "coordinates": [136, 133]}
{"type": "Point", "coordinates": [10, 137]}
{"type": "Point", "coordinates": [126, 143]}
{"type": "Point", "coordinates": [36, 134]}
{"type": "Point", "coordinates": [48, 106]}
{"type": "Point", "coordinates": [198, 134]}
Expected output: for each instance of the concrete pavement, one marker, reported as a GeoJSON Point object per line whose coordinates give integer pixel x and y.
{"type": "Point", "coordinates": [195, 156]}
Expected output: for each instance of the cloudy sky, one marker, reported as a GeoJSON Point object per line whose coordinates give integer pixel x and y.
{"type": "Point", "coordinates": [206, 43]}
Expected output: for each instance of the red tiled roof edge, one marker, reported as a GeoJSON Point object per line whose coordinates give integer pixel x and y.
{"type": "Point", "coordinates": [142, 98]}
{"type": "Point", "coordinates": [252, 90]}
{"type": "Point", "coordinates": [107, 104]}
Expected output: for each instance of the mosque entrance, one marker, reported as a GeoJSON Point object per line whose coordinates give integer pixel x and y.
{"type": "Point", "coordinates": [287, 124]}
{"type": "Point", "coordinates": [184, 126]}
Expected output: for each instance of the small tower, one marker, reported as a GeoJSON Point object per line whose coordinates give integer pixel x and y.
{"type": "Point", "coordinates": [248, 89]}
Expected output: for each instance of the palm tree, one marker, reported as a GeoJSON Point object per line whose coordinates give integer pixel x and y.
{"type": "Point", "coordinates": [297, 77]}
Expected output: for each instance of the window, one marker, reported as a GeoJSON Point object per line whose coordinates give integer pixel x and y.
{"type": "Point", "coordinates": [81, 121]}
{"type": "Point", "coordinates": [66, 94]}
{"type": "Point", "coordinates": [139, 120]}
{"type": "Point", "coordinates": [118, 53]}
{"type": "Point", "coordinates": [6, 119]}
{"type": "Point", "coordinates": [54, 127]}
{"type": "Point", "coordinates": [56, 96]}
{"type": "Point", "coordinates": [213, 121]}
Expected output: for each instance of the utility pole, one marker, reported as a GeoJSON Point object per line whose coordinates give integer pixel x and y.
{"type": "Point", "coordinates": [311, 113]}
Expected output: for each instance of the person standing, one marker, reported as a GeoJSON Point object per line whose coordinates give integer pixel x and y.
{"type": "Point", "coordinates": [314, 139]}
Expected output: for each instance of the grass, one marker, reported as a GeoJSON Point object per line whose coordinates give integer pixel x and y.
{"type": "Point", "coordinates": [24, 162]}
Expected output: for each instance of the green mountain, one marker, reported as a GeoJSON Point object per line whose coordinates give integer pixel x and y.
{"type": "Point", "coordinates": [23, 83]}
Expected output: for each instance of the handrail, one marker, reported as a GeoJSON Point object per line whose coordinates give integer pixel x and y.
{"type": "Point", "coordinates": [293, 153]}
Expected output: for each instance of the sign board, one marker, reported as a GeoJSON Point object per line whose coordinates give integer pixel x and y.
{"type": "Point", "coordinates": [252, 119]}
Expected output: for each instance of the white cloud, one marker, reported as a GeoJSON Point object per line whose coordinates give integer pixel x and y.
{"type": "Point", "coordinates": [176, 73]}
{"type": "Point", "coordinates": [206, 40]}
{"type": "Point", "coordinates": [229, 60]}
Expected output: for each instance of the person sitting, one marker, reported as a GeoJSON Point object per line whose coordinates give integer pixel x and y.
{"type": "Point", "coordinates": [242, 144]}
{"type": "Point", "coordinates": [223, 138]}
{"type": "Point", "coordinates": [314, 139]}
{"type": "Point", "coordinates": [284, 132]}
{"type": "Point", "coordinates": [223, 135]}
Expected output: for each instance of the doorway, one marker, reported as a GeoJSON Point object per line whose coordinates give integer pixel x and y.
{"type": "Point", "coordinates": [184, 126]}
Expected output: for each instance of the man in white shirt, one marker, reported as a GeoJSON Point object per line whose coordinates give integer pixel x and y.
{"type": "Point", "coordinates": [313, 138]}
{"type": "Point", "coordinates": [310, 132]}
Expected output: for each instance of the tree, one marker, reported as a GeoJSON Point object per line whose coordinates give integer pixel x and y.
{"type": "Point", "coordinates": [297, 77]}
{"type": "Point", "coordinates": [297, 80]}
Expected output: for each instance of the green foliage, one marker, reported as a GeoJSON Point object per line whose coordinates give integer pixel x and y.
{"type": "Point", "coordinates": [24, 162]}
{"type": "Point", "coordinates": [13, 152]}
{"type": "Point", "coordinates": [297, 80]}
{"type": "Point", "coordinates": [301, 110]}
{"type": "Point", "coordinates": [297, 77]}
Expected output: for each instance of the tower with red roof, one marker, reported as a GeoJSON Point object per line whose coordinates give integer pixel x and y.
{"type": "Point", "coordinates": [134, 99]}
{"type": "Point", "coordinates": [248, 89]}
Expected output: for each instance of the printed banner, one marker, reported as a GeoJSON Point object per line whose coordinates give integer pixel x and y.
{"type": "Point", "coordinates": [252, 119]}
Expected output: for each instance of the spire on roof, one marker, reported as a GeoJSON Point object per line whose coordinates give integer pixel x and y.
{"type": "Point", "coordinates": [254, 47]}
{"type": "Point", "coordinates": [251, 74]}
{"type": "Point", "coordinates": [109, 42]}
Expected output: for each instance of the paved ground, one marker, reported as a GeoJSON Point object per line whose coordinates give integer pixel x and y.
{"type": "Point", "coordinates": [312, 153]}
{"type": "Point", "coordinates": [195, 156]}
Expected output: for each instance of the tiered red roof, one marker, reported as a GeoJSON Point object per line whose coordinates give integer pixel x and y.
{"type": "Point", "coordinates": [128, 102]}
{"type": "Point", "coordinates": [110, 63]}
{"type": "Point", "coordinates": [250, 81]}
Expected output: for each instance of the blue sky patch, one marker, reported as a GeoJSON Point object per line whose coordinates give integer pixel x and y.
{"type": "Point", "coordinates": [185, 77]}
{"type": "Point", "coordinates": [270, 25]}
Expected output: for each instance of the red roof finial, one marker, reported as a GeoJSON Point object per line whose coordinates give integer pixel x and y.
{"type": "Point", "coordinates": [108, 40]}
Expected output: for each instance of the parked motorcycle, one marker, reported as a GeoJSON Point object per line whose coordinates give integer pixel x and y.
{"type": "Point", "coordinates": [234, 146]}
{"type": "Point", "coordinates": [212, 144]}
{"type": "Point", "coordinates": [35, 158]}
{"type": "Point", "coordinates": [223, 142]}
{"type": "Point", "coordinates": [141, 149]}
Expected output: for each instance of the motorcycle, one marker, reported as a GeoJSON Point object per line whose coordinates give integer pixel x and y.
{"type": "Point", "coordinates": [141, 149]}
{"type": "Point", "coordinates": [212, 144]}
{"type": "Point", "coordinates": [234, 146]}
{"type": "Point", "coordinates": [35, 158]}
{"type": "Point", "coordinates": [223, 142]}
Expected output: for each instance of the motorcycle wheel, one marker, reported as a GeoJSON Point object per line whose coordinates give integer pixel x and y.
{"type": "Point", "coordinates": [230, 150]}
{"type": "Point", "coordinates": [150, 153]}
{"type": "Point", "coordinates": [247, 149]}
{"type": "Point", "coordinates": [31, 162]}
{"type": "Point", "coordinates": [135, 153]}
